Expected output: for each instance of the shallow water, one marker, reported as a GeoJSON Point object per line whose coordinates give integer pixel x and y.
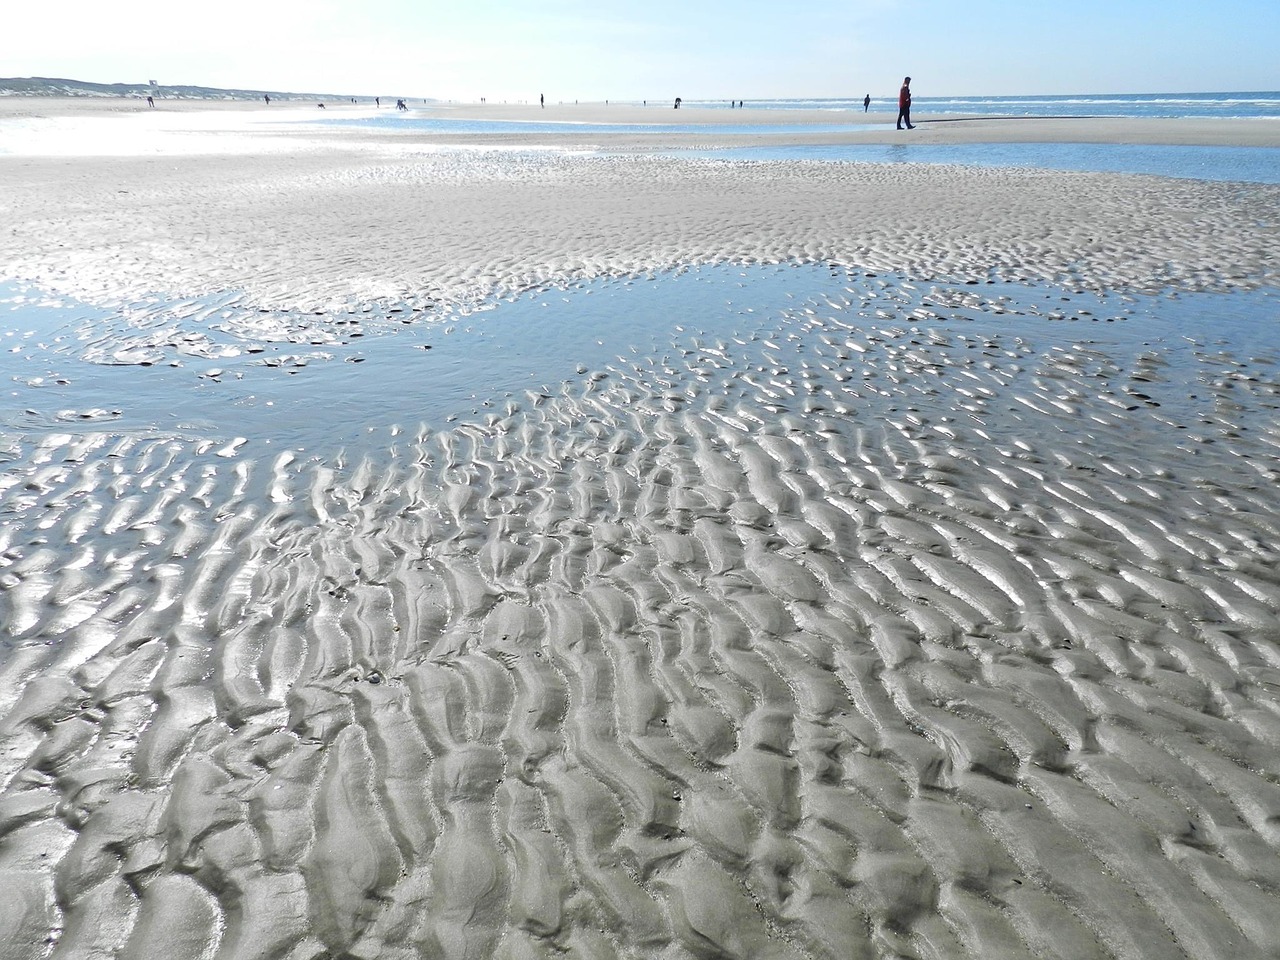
{"type": "Point", "coordinates": [1240, 164]}
{"type": "Point", "coordinates": [215, 367]}
{"type": "Point", "coordinates": [1243, 164]}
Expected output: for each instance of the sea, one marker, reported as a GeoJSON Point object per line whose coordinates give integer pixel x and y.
{"type": "Point", "coordinates": [1260, 104]}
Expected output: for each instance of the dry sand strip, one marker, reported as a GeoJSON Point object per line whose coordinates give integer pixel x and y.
{"type": "Point", "coordinates": [905, 643]}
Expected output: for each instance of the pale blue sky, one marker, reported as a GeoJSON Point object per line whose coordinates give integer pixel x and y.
{"type": "Point", "coordinates": [696, 49]}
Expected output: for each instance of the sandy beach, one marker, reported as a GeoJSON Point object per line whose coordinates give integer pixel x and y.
{"type": "Point", "coordinates": [540, 544]}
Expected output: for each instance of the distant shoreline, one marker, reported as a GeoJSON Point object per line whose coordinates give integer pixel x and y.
{"type": "Point", "coordinates": [58, 87]}
{"type": "Point", "coordinates": [1242, 103]}
{"type": "Point", "coordinates": [709, 126]}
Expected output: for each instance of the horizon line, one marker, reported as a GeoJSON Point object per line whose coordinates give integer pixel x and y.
{"type": "Point", "coordinates": [145, 85]}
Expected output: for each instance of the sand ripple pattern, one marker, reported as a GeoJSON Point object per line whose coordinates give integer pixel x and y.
{"type": "Point", "coordinates": [327, 230]}
{"type": "Point", "coordinates": [902, 645]}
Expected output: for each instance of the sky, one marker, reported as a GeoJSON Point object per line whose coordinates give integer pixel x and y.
{"type": "Point", "coordinates": [592, 50]}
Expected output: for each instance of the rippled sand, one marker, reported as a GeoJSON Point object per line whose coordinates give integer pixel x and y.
{"type": "Point", "coordinates": [923, 617]}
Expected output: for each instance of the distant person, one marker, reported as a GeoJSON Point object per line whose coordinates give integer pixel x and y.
{"type": "Point", "coordinates": [866, 103]}
{"type": "Point", "coordinates": [904, 104]}
{"type": "Point", "coordinates": [267, 97]}
{"type": "Point", "coordinates": [739, 104]}
{"type": "Point", "coordinates": [151, 101]}
{"type": "Point", "coordinates": [320, 105]}
{"type": "Point", "coordinates": [677, 103]}
{"type": "Point", "coordinates": [542, 100]}
{"type": "Point", "coordinates": [377, 101]}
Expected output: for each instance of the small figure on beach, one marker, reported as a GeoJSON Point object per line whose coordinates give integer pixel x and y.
{"type": "Point", "coordinates": [151, 101]}
{"type": "Point", "coordinates": [542, 100]}
{"type": "Point", "coordinates": [401, 105]}
{"type": "Point", "coordinates": [866, 103]}
{"type": "Point", "coordinates": [320, 105]}
{"type": "Point", "coordinates": [740, 104]}
{"type": "Point", "coordinates": [377, 101]}
{"type": "Point", "coordinates": [904, 104]}
{"type": "Point", "coordinates": [677, 103]}
{"type": "Point", "coordinates": [267, 97]}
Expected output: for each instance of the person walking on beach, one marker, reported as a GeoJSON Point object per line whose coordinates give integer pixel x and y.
{"type": "Point", "coordinates": [904, 104]}
{"type": "Point", "coordinates": [542, 100]}
{"type": "Point", "coordinates": [866, 103]}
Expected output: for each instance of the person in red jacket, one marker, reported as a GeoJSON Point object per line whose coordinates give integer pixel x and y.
{"type": "Point", "coordinates": [904, 104]}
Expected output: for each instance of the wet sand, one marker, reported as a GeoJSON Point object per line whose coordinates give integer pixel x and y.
{"type": "Point", "coordinates": [913, 594]}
